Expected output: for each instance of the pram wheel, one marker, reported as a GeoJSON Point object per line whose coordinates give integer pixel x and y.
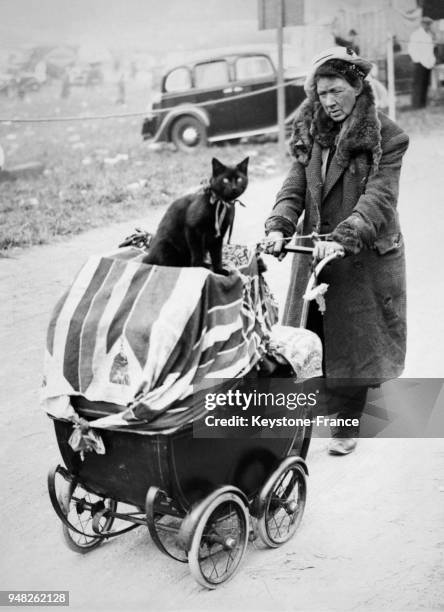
{"type": "Point", "coordinates": [163, 528]}
{"type": "Point", "coordinates": [281, 502]}
{"type": "Point", "coordinates": [220, 539]}
{"type": "Point", "coordinates": [87, 514]}
{"type": "Point", "coordinates": [87, 517]}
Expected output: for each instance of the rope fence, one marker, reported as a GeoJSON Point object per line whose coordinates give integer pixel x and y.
{"type": "Point", "coordinates": [247, 94]}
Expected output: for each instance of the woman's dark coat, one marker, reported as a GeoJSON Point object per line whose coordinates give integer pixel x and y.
{"type": "Point", "coordinates": [365, 320]}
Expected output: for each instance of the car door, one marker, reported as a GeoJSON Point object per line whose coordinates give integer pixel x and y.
{"type": "Point", "coordinates": [254, 73]}
{"type": "Point", "coordinates": [177, 88]}
{"type": "Point", "coordinates": [211, 81]}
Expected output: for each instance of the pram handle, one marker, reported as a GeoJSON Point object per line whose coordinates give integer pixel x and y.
{"type": "Point", "coordinates": [298, 249]}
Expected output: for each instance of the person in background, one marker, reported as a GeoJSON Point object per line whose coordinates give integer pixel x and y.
{"type": "Point", "coordinates": [121, 89]}
{"type": "Point", "coordinates": [66, 84]}
{"type": "Point", "coordinates": [421, 50]}
{"type": "Point", "coordinates": [349, 42]}
{"type": "Point", "coordinates": [353, 37]}
{"type": "Point", "coordinates": [345, 181]}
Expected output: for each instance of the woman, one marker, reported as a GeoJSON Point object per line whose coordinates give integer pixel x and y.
{"type": "Point", "coordinates": [345, 180]}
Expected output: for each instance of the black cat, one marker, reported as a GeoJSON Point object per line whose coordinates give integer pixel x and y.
{"type": "Point", "coordinates": [196, 224]}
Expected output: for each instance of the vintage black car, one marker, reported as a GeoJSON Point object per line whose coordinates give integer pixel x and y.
{"type": "Point", "coordinates": [221, 97]}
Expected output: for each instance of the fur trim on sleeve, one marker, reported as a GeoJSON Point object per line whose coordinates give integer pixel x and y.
{"type": "Point", "coordinates": [278, 223]}
{"type": "Point", "coordinates": [347, 234]}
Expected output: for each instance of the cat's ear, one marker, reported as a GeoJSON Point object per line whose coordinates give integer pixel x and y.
{"type": "Point", "coordinates": [218, 167]}
{"type": "Point", "coordinates": [243, 166]}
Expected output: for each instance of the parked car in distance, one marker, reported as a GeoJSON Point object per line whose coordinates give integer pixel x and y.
{"type": "Point", "coordinates": [26, 81]}
{"type": "Point", "coordinates": [18, 83]}
{"type": "Point", "coordinates": [6, 83]}
{"type": "Point", "coordinates": [227, 95]}
{"type": "Point", "coordinates": [86, 74]}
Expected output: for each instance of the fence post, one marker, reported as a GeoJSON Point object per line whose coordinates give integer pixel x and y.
{"type": "Point", "coordinates": [280, 79]}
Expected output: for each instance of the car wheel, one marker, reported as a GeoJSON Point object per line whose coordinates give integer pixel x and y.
{"type": "Point", "coordinates": [189, 134]}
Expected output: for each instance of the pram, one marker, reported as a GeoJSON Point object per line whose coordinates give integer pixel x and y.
{"type": "Point", "coordinates": [202, 499]}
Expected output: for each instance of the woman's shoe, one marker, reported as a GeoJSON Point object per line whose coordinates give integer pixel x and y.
{"type": "Point", "coordinates": [342, 446]}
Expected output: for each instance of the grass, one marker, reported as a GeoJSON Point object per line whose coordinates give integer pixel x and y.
{"type": "Point", "coordinates": [86, 185]}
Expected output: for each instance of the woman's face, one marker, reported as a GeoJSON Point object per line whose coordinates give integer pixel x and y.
{"type": "Point", "coordinates": [337, 96]}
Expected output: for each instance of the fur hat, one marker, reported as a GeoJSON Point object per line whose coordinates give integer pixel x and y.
{"type": "Point", "coordinates": [351, 61]}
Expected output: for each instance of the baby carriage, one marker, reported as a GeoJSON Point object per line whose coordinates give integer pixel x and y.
{"type": "Point", "coordinates": [128, 438]}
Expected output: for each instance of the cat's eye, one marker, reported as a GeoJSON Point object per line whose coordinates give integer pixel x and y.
{"type": "Point", "coordinates": [225, 180]}
{"type": "Point", "coordinates": [239, 179]}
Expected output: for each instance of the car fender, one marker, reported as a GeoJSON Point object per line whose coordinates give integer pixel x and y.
{"type": "Point", "coordinates": [163, 133]}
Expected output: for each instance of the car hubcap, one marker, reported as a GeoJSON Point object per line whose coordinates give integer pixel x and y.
{"type": "Point", "coordinates": [190, 136]}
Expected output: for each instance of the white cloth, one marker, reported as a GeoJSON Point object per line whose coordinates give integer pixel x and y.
{"type": "Point", "coordinates": [420, 48]}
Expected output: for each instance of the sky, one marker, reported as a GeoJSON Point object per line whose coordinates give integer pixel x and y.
{"type": "Point", "coordinates": [160, 26]}
{"type": "Point", "coordinates": [112, 21]}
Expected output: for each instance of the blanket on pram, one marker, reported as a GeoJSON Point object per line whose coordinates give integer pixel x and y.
{"type": "Point", "coordinates": [144, 336]}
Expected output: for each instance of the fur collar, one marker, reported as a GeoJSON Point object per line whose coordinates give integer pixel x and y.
{"type": "Point", "coordinates": [360, 133]}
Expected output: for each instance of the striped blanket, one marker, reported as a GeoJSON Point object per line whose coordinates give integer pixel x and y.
{"type": "Point", "coordinates": [144, 336]}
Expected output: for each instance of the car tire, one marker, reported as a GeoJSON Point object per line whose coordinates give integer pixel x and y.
{"type": "Point", "coordinates": [189, 134]}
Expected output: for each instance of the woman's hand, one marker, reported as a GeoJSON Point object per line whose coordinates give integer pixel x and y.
{"type": "Point", "coordinates": [274, 244]}
{"type": "Point", "coordinates": [324, 248]}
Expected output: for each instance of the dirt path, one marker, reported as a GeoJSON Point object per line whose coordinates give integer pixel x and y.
{"type": "Point", "coordinates": [372, 536]}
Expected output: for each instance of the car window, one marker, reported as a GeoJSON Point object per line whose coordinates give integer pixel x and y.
{"type": "Point", "coordinates": [252, 67]}
{"type": "Point", "coordinates": [178, 80]}
{"type": "Point", "coordinates": [211, 74]}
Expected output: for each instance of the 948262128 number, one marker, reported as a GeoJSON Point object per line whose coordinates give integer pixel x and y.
{"type": "Point", "coordinates": [34, 598]}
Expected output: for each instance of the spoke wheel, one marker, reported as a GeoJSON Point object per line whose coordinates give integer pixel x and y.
{"type": "Point", "coordinates": [219, 541]}
{"type": "Point", "coordinates": [284, 497]}
{"type": "Point", "coordinates": [88, 514]}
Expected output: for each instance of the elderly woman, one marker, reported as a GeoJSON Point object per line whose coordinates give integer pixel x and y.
{"type": "Point", "coordinates": [345, 180]}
